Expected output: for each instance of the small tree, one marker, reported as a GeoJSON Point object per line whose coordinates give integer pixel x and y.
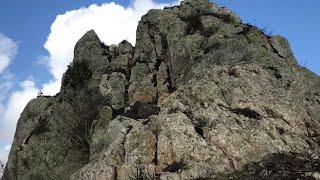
{"type": "Point", "coordinates": [83, 104]}
{"type": "Point", "coordinates": [76, 75]}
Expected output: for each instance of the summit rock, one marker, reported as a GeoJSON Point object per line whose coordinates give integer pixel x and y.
{"type": "Point", "coordinates": [200, 96]}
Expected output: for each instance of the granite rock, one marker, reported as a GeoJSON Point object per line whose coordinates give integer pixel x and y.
{"type": "Point", "coordinates": [200, 96]}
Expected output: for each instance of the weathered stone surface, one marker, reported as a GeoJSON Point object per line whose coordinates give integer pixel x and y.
{"type": "Point", "coordinates": [141, 110]}
{"type": "Point", "coordinates": [200, 96]}
{"type": "Point", "coordinates": [279, 166]}
{"type": "Point", "coordinates": [90, 48]}
{"type": "Point", "coordinates": [121, 63]}
{"type": "Point", "coordinates": [98, 138]}
{"type": "Point", "coordinates": [97, 172]}
{"type": "Point", "coordinates": [125, 48]}
{"type": "Point", "coordinates": [178, 142]}
{"type": "Point", "coordinates": [113, 88]}
{"type": "Point", "coordinates": [281, 46]}
{"type": "Point", "coordinates": [141, 85]}
{"type": "Point", "coordinates": [42, 149]}
{"type": "Point", "coordinates": [240, 124]}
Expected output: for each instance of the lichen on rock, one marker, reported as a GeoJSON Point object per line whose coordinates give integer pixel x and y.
{"type": "Point", "coordinates": [200, 96]}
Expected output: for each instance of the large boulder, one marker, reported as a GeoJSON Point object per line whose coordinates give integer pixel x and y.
{"type": "Point", "coordinates": [200, 96]}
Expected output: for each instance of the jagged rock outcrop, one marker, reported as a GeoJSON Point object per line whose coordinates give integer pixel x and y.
{"type": "Point", "coordinates": [200, 96]}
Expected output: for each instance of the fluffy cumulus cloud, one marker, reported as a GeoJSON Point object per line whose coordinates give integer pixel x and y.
{"type": "Point", "coordinates": [6, 84]}
{"type": "Point", "coordinates": [112, 22]}
{"type": "Point", "coordinates": [16, 103]}
{"type": "Point", "coordinates": [11, 112]}
{"type": "Point", "coordinates": [4, 152]}
{"type": "Point", "coordinates": [8, 49]}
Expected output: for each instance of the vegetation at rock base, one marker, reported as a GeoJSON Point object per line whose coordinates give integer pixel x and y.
{"type": "Point", "coordinates": [140, 173]}
{"type": "Point", "coordinates": [280, 166]}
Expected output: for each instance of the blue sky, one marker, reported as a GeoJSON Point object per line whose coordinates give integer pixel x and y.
{"type": "Point", "coordinates": [26, 26]}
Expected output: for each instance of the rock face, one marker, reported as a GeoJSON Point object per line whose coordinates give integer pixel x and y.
{"type": "Point", "coordinates": [1, 170]}
{"type": "Point", "coordinates": [200, 96]}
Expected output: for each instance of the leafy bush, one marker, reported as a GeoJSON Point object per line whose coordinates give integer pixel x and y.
{"type": "Point", "coordinates": [78, 110]}
{"type": "Point", "coordinates": [77, 74]}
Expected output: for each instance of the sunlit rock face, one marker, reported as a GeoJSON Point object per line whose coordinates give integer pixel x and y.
{"type": "Point", "coordinates": [200, 96]}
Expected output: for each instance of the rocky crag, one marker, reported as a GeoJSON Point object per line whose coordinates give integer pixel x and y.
{"type": "Point", "coordinates": [200, 96]}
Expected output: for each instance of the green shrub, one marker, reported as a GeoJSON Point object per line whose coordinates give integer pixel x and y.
{"type": "Point", "coordinates": [77, 111]}
{"type": "Point", "coordinates": [77, 74]}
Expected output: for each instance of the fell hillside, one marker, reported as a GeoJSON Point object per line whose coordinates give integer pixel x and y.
{"type": "Point", "coordinates": [200, 96]}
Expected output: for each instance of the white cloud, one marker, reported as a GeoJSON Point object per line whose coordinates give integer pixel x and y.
{"type": "Point", "coordinates": [43, 60]}
{"type": "Point", "coordinates": [6, 83]}
{"type": "Point", "coordinates": [51, 87]}
{"type": "Point", "coordinates": [4, 154]}
{"type": "Point", "coordinates": [16, 103]}
{"type": "Point", "coordinates": [112, 22]}
{"type": "Point", "coordinates": [10, 112]}
{"type": "Point", "coordinates": [7, 147]}
{"type": "Point", "coordinates": [1, 108]}
{"type": "Point", "coordinates": [8, 49]}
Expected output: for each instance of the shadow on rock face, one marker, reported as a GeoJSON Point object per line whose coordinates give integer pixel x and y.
{"type": "Point", "coordinates": [281, 166]}
{"type": "Point", "coordinates": [141, 110]}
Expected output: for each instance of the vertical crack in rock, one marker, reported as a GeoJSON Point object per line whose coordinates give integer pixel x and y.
{"type": "Point", "coordinates": [128, 130]}
{"type": "Point", "coordinates": [224, 151]}
{"type": "Point", "coordinates": [222, 92]}
{"type": "Point", "coordinates": [154, 80]}
{"type": "Point", "coordinates": [115, 173]}
{"type": "Point", "coordinates": [155, 158]}
{"type": "Point", "coordinates": [198, 124]}
{"type": "Point", "coordinates": [171, 88]}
